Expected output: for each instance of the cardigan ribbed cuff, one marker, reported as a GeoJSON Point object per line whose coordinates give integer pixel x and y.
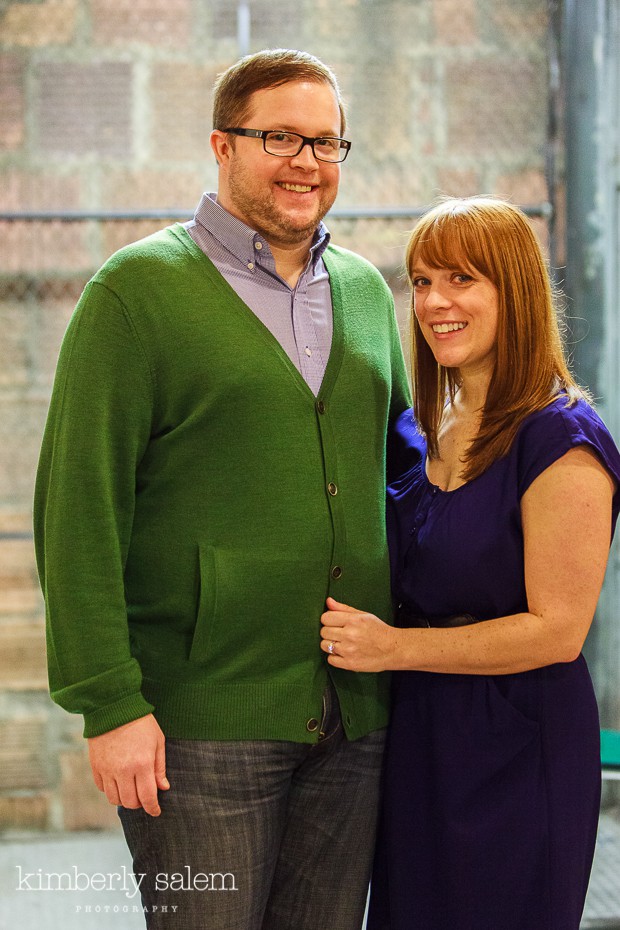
{"type": "Point", "coordinates": [115, 715]}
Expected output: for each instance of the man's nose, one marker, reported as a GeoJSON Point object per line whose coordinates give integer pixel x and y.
{"type": "Point", "coordinates": [306, 157]}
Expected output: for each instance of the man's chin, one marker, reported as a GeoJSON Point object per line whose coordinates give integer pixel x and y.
{"type": "Point", "coordinates": [300, 233]}
{"type": "Point", "coordinates": [289, 231]}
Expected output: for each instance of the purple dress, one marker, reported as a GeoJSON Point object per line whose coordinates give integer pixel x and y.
{"type": "Point", "coordinates": [492, 781]}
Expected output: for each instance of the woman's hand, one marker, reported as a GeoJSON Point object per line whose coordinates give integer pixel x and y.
{"type": "Point", "coordinates": [359, 641]}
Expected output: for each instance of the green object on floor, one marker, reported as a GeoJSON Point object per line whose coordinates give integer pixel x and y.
{"type": "Point", "coordinates": [610, 748]}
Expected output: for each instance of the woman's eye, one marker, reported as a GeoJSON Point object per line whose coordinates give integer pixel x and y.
{"type": "Point", "coordinates": [462, 278]}
{"type": "Point", "coordinates": [420, 282]}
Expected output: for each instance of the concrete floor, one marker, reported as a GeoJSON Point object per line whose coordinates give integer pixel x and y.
{"type": "Point", "coordinates": [603, 902]}
{"type": "Point", "coordinates": [28, 861]}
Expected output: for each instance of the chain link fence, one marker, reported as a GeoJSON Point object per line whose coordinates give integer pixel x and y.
{"type": "Point", "coordinates": [104, 138]}
{"type": "Point", "coordinates": [105, 120]}
{"type": "Point", "coordinates": [105, 109]}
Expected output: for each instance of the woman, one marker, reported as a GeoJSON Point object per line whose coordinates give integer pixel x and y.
{"type": "Point", "coordinates": [499, 533]}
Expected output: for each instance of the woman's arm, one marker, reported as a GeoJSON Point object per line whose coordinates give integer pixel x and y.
{"type": "Point", "coordinates": [566, 516]}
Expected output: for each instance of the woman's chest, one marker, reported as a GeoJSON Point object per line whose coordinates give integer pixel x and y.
{"type": "Point", "coordinates": [454, 441]}
{"type": "Point", "coordinates": [459, 547]}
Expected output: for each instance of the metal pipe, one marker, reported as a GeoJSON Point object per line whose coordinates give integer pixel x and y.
{"type": "Point", "coordinates": [542, 210]}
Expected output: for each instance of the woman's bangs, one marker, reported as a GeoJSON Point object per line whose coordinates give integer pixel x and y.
{"type": "Point", "coordinates": [448, 243]}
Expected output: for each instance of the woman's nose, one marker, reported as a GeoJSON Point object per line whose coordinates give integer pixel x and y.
{"type": "Point", "coordinates": [436, 298]}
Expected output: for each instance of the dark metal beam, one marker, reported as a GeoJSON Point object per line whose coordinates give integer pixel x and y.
{"type": "Point", "coordinates": [584, 279]}
{"type": "Point", "coordinates": [543, 210]}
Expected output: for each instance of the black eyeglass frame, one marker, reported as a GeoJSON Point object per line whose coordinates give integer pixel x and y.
{"type": "Point", "coordinates": [305, 140]}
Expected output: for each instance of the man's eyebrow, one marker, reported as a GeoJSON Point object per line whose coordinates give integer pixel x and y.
{"type": "Point", "coordinates": [321, 135]}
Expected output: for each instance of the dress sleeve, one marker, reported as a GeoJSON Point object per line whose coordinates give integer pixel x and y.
{"type": "Point", "coordinates": [403, 445]}
{"type": "Point", "coordinates": [548, 434]}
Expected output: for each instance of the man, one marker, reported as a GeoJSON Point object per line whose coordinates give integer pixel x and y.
{"type": "Point", "coordinates": [213, 467]}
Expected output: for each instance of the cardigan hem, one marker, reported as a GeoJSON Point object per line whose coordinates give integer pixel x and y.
{"type": "Point", "coordinates": [259, 710]}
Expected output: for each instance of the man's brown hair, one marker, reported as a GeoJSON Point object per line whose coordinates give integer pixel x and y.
{"type": "Point", "coordinates": [270, 68]}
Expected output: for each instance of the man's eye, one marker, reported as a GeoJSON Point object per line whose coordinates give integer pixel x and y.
{"type": "Point", "coordinates": [279, 137]}
{"type": "Point", "coordinates": [329, 145]}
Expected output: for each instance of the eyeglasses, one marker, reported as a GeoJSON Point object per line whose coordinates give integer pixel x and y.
{"type": "Point", "coordinates": [289, 144]}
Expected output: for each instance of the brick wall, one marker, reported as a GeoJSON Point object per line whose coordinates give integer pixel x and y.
{"type": "Point", "coordinates": [105, 104]}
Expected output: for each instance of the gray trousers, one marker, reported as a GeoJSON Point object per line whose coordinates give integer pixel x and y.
{"type": "Point", "coordinates": [261, 835]}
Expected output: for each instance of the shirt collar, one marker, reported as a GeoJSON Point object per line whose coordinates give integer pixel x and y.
{"type": "Point", "coordinates": [237, 237]}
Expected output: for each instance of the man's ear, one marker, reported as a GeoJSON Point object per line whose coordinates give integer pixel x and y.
{"type": "Point", "coordinates": [221, 145]}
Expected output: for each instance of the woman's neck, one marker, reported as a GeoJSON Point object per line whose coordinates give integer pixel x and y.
{"type": "Point", "coordinates": [472, 392]}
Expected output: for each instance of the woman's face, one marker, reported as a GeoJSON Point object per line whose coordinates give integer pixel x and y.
{"type": "Point", "coordinates": [457, 311]}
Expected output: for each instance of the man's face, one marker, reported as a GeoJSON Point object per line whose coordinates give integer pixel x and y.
{"type": "Point", "coordinates": [284, 199]}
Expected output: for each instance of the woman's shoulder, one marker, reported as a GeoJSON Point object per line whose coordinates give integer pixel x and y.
{"type": "Point", "coordinates": [406, 436]}
{"type": "Point", "coordinates": [406, 447]}
{"type": "Point", "coordinates": [406, 427]}
{"type": "Point", "coordinates": [564, 423]}
{"type": "Point", "coordinates": [548, 434]}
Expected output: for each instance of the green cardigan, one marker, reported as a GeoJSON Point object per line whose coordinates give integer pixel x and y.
{"type": "Point", "coordinates": [196, 503]}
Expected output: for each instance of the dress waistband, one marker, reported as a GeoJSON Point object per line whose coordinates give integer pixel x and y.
{"type": "Point", "coordinates": [405, 617]}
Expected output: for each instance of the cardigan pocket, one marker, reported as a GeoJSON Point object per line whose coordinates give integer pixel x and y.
{"type": "Point", "coordinates": [207, 603]}
{"type": "Point", "coordinates": [244, 625]}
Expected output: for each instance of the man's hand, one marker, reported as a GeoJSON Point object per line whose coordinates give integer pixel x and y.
{"type": "Point", "coordinates": [129, 764]}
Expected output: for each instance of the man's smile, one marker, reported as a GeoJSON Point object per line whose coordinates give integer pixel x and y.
{"type": "Point", "coordinates": [297, 188]}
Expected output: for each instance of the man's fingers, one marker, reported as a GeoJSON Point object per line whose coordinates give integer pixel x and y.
{"type": "Point", "coordinates": [135, 793]}
{"type": "Point", "coordinates": [160, 766]}
{"type": "Point", "coordinates": [98, 779]}
{"type": "Point", "coordinates": [146, 788]}
{"type": "Point", "coordinates": [110, 789]}
{"type": "Point", "coordinates": [129, 764]}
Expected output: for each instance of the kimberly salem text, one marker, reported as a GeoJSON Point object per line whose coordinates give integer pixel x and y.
{"type": "Point", "coordinates": [123, 880]}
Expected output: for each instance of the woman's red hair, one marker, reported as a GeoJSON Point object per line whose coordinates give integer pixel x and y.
{"type": "Point", "coordinates": [495, 239]}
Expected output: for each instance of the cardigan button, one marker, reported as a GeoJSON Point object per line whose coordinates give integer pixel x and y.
{"type": "Point", "coordinates": [312, 725]}
{"type": "Point", "coordinates": [320, 406]}
{"type": "Point", "coordinates": [332, 488]}
{"type": "Point", "coordinates": [336, 571]}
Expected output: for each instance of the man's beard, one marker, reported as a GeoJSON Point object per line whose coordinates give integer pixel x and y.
{"type": "Point", "coordinates": [263, 215]}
